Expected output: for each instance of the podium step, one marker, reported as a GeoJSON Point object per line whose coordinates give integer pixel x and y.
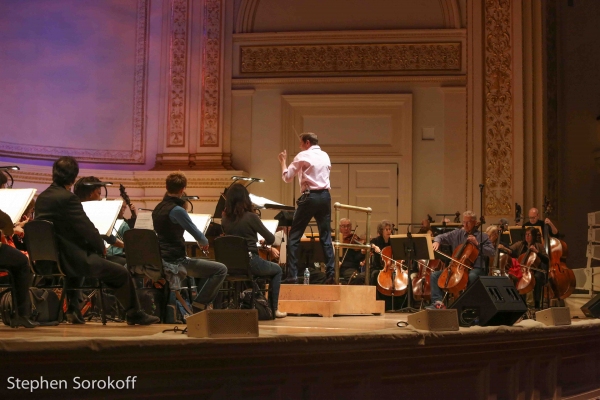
{"type": "Point", "coordinates": [330, 300]}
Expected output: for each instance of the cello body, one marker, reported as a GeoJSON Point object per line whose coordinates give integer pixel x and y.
{"type": "Point", "coordinates": [560, 277]}
{"type": "Point", "coordinates": [455, 277]}
{"type": "Point", "coordinates": [527, 281]}
{"type": "Point", "coordinates": [421, 283]}
{"type": "Point", "coordinates": [392, 279]}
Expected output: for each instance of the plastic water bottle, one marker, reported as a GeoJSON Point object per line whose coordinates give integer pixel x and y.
{"type": "Point", "coordinates": [306, 276]}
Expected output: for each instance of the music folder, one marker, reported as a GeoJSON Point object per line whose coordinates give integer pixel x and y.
{"type": "Point", "coordinates": [201, 221]}
{"type": "Point", "coordinates": [14, 202]}
{"type": "Point", "coordinates": [420, 249]}
{"type": "Point", "coordinates": [103, 214]}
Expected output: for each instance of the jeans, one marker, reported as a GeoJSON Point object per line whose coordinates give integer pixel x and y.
{"type": "Point", "coordinates": [436, 292]}
{"type": "Point", "coordinates": [317, 205]}
{"type": "Point", "coordinates": [260, 267]}
{"type": "Point", "coordinates": [212, 273]}
{"type": "Point", "coordinates": [17, 264]}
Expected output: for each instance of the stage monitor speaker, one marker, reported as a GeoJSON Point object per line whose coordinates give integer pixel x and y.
{"type": "Point", "coordinates": [554, 316]}
{"type": "Point", "coordinates": [434, 320]}
{"type": "Point", "coordinates": [591, 309]}
{"type": "Point", "coordinates": [223, 324]}
{"type": "Point", "coordinates": [491, 300]}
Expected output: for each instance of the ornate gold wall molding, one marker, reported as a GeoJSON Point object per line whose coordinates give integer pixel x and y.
{"type": "Point", "coordinates": [499, 107]}
{"type": "Point", "coordinates": [136, 155]}
{"type": "Point", "coordinates": [178, 73]}
{"type": "Point", "coordinates": [211, 73]}
{"type": "Point", "coordinates": [392, 57]}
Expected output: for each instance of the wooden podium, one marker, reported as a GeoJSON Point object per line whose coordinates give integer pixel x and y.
{"type": "Point", "coordinates": [330, 300]}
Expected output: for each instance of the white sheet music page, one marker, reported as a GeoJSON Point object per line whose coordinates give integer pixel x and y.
{"type": "Point", "coordinates": [144, 221]}
{"type": "Point", "coordinates": [261, 201]}
{"type": "Point", "coordinates": [103, 214]}
{"type": "Point", "coordinates": [14, 202]}
{"type": "Point", "coordinates": [201, 221]}
{"type": "Point", "coordinates": [271, 225]}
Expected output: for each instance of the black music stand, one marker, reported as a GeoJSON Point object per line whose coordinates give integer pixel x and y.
{"type": "Point", "coordinates": [411, 247]}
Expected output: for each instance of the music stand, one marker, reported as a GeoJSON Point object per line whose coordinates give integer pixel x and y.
{"type": "Point", "coordinates": [411, 247]}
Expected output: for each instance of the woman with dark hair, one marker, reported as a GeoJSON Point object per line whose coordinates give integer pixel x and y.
{"type": "Point", "coordinates": [239, 219]}
{"type": "Point", "coordinates": [533, 243]}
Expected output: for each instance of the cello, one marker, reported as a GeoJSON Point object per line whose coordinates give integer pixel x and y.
{"type": "Point", "coordinates": [529, 261]}
{"type": "Point", "coordinates": [421, 284]}
{"type": "Point", "coordinates": [561, 278]}
{"type": "Point", "coordinates": [391, 281]}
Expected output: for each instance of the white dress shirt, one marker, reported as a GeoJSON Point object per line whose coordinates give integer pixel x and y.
{"type": "Point", "coordinates": [312, 167]}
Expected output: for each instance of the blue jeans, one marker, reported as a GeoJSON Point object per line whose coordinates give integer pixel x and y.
{"type": "Point", "coordinates": [260, 267]}
{"type": "Point", "coordinates": [317, 205]}
{"type": "Point", "coordinates": [212, 273]}
{"type": "Point", "coordinates": [436, 292]}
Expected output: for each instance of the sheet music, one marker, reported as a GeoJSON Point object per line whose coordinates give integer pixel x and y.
{"type": "Point", "coordinates": [271, 225]}
{"type": "Point", "coordinates": [144, 221]}
{"type": "Point", "coordinates": [14, 202]}
{"type": "Point", "coordinates": [201, 221]}
{"type": "Point", "coordinates": [261, 201]}
{"type": "Point", "coordinates": [103, 214]}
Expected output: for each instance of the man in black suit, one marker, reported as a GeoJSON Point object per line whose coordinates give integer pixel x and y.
{"type": "Point", "coordinates": [82, 248]}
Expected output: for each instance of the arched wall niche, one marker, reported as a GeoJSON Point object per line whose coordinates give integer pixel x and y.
{"type": "Point", "coordinates": [259, 16]}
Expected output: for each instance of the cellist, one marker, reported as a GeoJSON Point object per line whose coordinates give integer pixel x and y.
{"type": "Point", "coordinates": [533, 243]}
{"type": "Point", "coordinates": [454, 239]}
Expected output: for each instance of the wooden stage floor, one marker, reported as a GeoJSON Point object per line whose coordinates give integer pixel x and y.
{"type": "Point", "coordinates": [302, 357]}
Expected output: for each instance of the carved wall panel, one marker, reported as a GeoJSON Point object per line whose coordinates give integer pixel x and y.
{"type": "Point", "coordinates": [178, 73]}
{"type": "Point", "coordinates": [351, 58]}
{"type": "Point", "coordinates": [499, 107]}
{"type": "Point", "coordinates": [211, 73]}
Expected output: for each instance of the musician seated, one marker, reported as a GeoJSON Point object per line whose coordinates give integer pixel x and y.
{"type": "Point", "coordinates": [533, 243]}
{"type": "Point", "coordinates": [75, 231]}
{"type": "Point", "coordinates": [534, 220]}
{"type": "Point", "coordinates": [458, 237]}
{"type": "Point", "coordinates": [170, 221]}
{"type": "Point", "coordinates": [351, 260]}
{"type": "Point", "coordinates": [239, 219]}
{"type": "Point", "coordinates": [94, 193]}
{"type": "Point", "coordinates": [384, 231]}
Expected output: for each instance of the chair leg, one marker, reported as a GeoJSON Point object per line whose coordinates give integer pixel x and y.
{"type": "Point", "coordinates": [102, 311]}
{"type": "Point", "coordinates": [61, 301]}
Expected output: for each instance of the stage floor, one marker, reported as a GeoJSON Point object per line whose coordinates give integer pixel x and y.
{"type": "Point", "coordinates": [313, 357]}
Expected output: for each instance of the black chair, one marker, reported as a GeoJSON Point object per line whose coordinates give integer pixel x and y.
{"type": "Point", "coordinates": [142, 250]}
{"type": "Point", "coordinates": [7, 283]}
{"type": "Point", "coordinates": [44, 259]}
{"type": "Point", "coordinates": [233, 252]}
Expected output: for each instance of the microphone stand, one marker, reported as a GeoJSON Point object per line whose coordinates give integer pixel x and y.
{"type": "Point", "coordinates": [482, 219]}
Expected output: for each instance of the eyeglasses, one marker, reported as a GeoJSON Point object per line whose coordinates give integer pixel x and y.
{"type": "Point", "coordinates": [346, 226]}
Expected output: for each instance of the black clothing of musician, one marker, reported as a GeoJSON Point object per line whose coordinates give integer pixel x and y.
{"type": "Point", "coordinates": [76, 232]}
{"type": "Point", "coordinates": [170, 222]}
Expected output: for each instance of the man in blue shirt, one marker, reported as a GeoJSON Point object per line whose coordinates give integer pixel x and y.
{"type": "Point", "coordinates": [455, 238]}
{"type": "Point", "coordinates": [170, 221]}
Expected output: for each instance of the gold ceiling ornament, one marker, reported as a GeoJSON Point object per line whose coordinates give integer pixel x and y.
{"type": "Point", "coordinates": [395, 57]}
{"type": "Point", "coordinates": [499, 107]}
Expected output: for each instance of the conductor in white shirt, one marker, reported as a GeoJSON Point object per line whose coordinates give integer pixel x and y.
{"type": "Point", "coordinates": [312, 166]}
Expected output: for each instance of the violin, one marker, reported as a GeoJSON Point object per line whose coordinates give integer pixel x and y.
{"type": "Point", "coordinates": [561, 278]}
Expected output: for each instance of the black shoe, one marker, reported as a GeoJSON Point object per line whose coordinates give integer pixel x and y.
{"type": "Point", "coordinates": [141, 318]}
{"type": "Point", "coordinates": [15, 322]}
{"type": "Point", "coordinates": [74, 316]}
{"type": "Point", "coordinates": [290, 281]}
